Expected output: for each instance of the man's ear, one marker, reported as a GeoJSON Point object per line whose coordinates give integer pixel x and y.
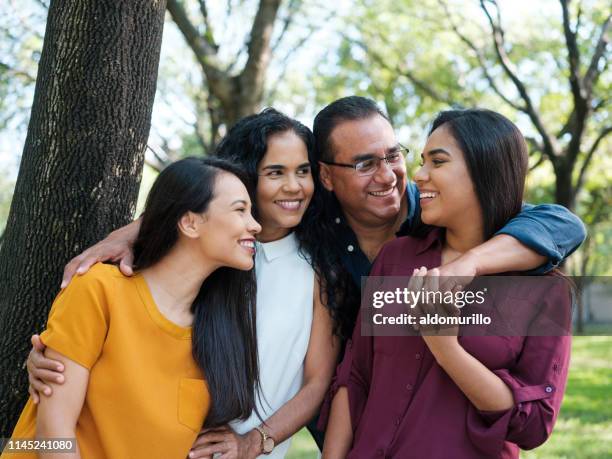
{"type": "Point", "coordinates": [325, 177]}
{"type": "Point", "coordinates": [188, 224]}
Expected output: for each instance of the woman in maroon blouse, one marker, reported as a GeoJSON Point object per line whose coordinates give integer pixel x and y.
{"type": "Point", "coordinates": [449, 396]}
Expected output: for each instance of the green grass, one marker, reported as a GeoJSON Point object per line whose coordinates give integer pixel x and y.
{"type": "Point", "coordinates": [302, 446]}
{"type": "Point", "coordinates": [584, 426]}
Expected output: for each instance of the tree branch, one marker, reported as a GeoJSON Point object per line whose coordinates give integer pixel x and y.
{"type": "Point", "coordinates": [549, 143]}
{"type": "Point", "coordinates": [43, 4]}
{"type": "Point", "coordinates": [535, 147]}
{"type": "Point", "coordinates": [481, 60]}
{"type": "Point", "coordinates": [593, 71]}
{"type": "Point", "coordinates": [573, 57]}
{"type": "Point", "coordinates": [259, 49]}
{"type": "Point", "coordinates": [400, 70]}
{"type": "Point", "coordinates": [29, 79]}
{"type": "Point", "coordinates": [538, 163]}
{"type": "Point", "coordinates": [292, 8]}
{"type": "Point", "coordinates": [602, 103]}
{"type": "Point", "coordinates": [160, 162]}
{"type": "Point", "coordinates": [602, 135]}
{"type": "Point", "coordinates": [209, 36]}
{"type": "Point", "coordinates": [204, 52]}
{"type": "Point", "coordinates": [285, 61]}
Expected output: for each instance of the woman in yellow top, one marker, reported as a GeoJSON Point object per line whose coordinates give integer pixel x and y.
{"type": "Point", "coordinates": [134, 371]}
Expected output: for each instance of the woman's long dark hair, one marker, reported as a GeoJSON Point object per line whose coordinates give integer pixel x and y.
{"type": "Point", "coordinates": [224, 341]}
{"type": "Point", "coordinates": [495, 152]}
{"type": "Point", "coordinates": [246, 143]}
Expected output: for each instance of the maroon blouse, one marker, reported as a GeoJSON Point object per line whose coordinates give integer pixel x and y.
{"type": "Point", "coordinates": [404, 405]}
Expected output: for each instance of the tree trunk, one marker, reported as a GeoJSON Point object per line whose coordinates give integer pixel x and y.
{"type": "Point", "coordinates": [564, 189]}
{"type": "Point", "coordinates": [81, 165]}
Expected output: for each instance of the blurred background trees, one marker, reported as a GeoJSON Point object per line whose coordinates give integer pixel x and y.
{"type": "Point", "coordinates": [545, 64]}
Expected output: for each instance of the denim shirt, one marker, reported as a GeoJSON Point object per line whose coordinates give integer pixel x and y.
{"type": "Point", "coordinates": [549, 229]}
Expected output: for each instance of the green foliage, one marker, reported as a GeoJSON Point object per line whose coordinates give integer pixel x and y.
{"type": "Point", "coordinates": [6, 193]}
{"type": "Point", "coordinates": [20, 46]}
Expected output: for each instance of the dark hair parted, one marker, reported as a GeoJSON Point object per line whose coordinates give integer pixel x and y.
{"type": "Point", "coordinates": [224, 341]}
{"type": "Point", "coordinates": [246, 144]}
{"type": "Point", "coordinates": [495, 152]}
{"type": "Point", "coordinates": [350, 108]}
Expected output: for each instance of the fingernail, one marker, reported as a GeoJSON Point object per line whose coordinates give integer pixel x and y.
{"type": "Point", "coordinates": [60, 368]}
{"type": "Point", "coordinates": [64, 283]}
{"type": "Point", "coordinates": [59, 379]}
{"type": "Point", "coordinates": [80, 270]}
{"type": "Point", "coordinates": [47, 391]}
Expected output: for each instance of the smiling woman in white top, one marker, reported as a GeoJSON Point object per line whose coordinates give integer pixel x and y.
{"type": "Point", "coordinates": [296, 344]}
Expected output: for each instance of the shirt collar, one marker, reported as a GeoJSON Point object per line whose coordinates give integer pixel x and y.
{"type": "Point", "coordinates": [279, 248]}
{"type": "Point", "coordinates": [433, 237]}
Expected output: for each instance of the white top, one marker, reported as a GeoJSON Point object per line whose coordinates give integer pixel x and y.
{"type": "Point", "coordinates": [285, 288]}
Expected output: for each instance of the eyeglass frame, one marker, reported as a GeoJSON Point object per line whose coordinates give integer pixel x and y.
{"type": "Point", "coordinates": [404, 151]}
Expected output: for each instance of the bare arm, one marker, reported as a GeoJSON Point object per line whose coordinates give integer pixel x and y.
{"type": "Point", "coordinates": [57, 415]}
{"type": "Point", "coordinates": [339, 434]}
{"type": "Point", "coordinates": [319, 365]}
{"type": "Point", "coordinates": [481, 386]}
{"type": "Point", "coordinates": [502, 253]}
{"type": "Point", "coordinates": [116, 247]}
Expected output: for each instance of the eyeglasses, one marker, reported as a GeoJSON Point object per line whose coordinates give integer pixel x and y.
{"type": "Point", "coordinates": [369, 166]}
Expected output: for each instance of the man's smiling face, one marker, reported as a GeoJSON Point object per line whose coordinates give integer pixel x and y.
{"type": "Point", "coordinates": [374, 199]}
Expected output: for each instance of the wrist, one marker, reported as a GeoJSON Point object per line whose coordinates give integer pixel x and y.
{"type": "Point", "coordinates": [127, 232]}
{"type": "Point", "coordinates": [472, 258]}
{"type": "Point", "coordinates": [446, 350]}
{"type": "Point", "coordinates": [254, 443]}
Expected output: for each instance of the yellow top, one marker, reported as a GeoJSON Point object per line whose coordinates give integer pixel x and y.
{"type": "Point", "coordinates": [146, 396]}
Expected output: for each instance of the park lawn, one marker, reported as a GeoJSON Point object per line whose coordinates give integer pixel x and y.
{"type": "Point", "coordinates": [584, 426]}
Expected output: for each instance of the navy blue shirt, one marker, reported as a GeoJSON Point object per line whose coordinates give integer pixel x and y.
{"type": "Point", "coordinates": [548, 229]}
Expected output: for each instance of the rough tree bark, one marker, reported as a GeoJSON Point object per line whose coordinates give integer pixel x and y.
{"type": "Point", "coordinates": [81, 164]}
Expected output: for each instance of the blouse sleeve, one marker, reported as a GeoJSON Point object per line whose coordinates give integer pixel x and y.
{"type": "Point", "coordinates": [79, 318]}
{"type": "Point", "coordinates": [548, 229]}
{"type": "Point", "coordinates": [537, 381]}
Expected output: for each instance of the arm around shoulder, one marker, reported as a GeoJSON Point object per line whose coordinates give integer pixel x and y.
{"type": "Point", "coordinates": [550, 230]}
